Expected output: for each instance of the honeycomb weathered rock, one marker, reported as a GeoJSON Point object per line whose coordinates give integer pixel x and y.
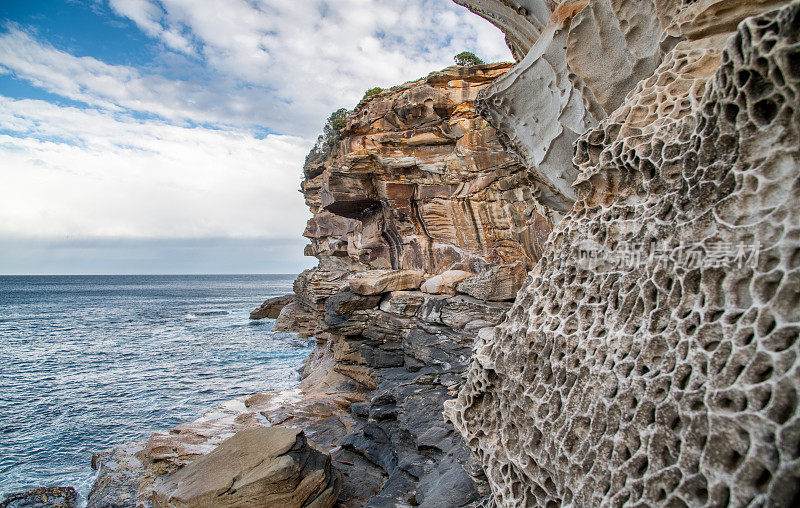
{"type": "Point", "coordinates": [669, 380]}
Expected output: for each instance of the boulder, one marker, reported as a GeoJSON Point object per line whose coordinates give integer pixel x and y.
{"type": "Point", "coordinates": [345, 312]}
{"type": "Point", "coordinates": [272, 307]}
{"type": "Point", "coordinates": [445, 282]}
{"type": "Point", "coordinates": [496, 283]}
{"type": "Point", "coordinates": [262, 466]}
{"type": "Point", "coordinates": [119, 471]}
{"type": "Point", "coordinates": [466, 313]}
{"type": "Point", "coordinates": [404, 303]}
{"type": "Point", "coordinates": [375, 282]}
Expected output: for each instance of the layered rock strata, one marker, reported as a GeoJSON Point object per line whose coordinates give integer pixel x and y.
{"type": "Point", "coordinates": [272, 307]}
{"type": "Point", "coordinates": [139, 474]}
{"type": "Point", "coordinates": [424, 227]}
{"type": "Point", "coordinates": [651, 357]}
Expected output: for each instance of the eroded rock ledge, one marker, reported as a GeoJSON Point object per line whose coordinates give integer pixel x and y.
{"type": "Point", "coordinates": [424, 227]}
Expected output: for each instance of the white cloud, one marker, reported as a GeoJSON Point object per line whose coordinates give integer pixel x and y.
{"type": "Point", "coordinates": [322, 55]}
{"type": "Point", "coordinates": [88, 173]}
{"type": "Point", "coordinates": [118, 88]}
{"type": "Point", "coordinates": [101, 171]}
{"type": "Point", "coordinates": [147, 17]}
{"type": "Point", "coordinates": [272, 63]}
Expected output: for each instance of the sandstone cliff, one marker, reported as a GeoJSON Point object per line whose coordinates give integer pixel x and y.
{"type": "Point", "coordinates": [652, 356]}
{"type": "Point", "coordinates": [424, 227]}
{"type": "Point", "coordinates": [420, 182]}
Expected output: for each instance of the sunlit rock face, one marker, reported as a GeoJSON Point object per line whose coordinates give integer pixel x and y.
{"type": "Point", "coordinates": [652, 355]}
{"type": "Point", "coordinates": [422, 183]}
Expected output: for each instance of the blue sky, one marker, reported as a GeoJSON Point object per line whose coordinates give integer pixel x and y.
{"type": "Point", "coordinates": [167, 136]}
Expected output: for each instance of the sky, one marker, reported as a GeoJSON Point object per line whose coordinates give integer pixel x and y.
{"type": "Point", "coordinates": [168, 136]}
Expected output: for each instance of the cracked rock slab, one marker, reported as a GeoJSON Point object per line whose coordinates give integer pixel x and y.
{"type": "Point", "coordinates": [375, 282]}
{"type": "Point", "coordinates": [264, 466]}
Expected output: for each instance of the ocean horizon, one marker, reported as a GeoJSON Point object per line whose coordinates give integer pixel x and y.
{"type": "Point", "coordinates": [91, 361]}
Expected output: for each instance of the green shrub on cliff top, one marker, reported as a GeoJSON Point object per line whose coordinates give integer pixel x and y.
{"type": "Point", "coordinates": [372, 91]}
{"type": "Point", "coordinates": [330, 138]}
{"type": "Point", "coordinates": [467, 58]}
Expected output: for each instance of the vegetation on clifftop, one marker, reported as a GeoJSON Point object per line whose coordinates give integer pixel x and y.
{"type": "Point", "coordinates": [372, 91]}
{"type": "Point", "coordinates": [330, 138]}
{"type": "Point", "coordinates": [467, 58]}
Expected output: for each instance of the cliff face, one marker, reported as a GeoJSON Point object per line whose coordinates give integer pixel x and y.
{"type": "Point", "coordinates": [421, 182]}
{"type": "Point", "coordinates": [652, 355]}
{"type": "Point", "coordinates": [424, 227]}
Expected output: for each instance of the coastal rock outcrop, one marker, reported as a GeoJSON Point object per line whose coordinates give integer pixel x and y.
{"type": "Point", "coordinates": [42, 497]}
{"type": "Point", "coordinates": [129, 473]}
{"type": "Point", "coordinates": [261, 466]}
{"type": "Point", "coordinates": [272, 307]}
{"type": "Point", "coordinates": [651, 357]}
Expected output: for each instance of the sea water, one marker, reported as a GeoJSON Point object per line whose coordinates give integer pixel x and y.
{"type": "Point", "coordinates": [87, 362]}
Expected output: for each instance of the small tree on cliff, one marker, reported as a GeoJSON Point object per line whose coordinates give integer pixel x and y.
{"type": "Point", "coordinates": [466, 58]}
{"type": "Point", "coordinates": [330, 138]}
{"type": "Point", "coordinates": [334, 127]}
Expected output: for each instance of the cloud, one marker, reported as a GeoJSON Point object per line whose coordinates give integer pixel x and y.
{"type": "Point", "coordinates": [123, 88]}
{"type": "Point", "coordinates": [320, 55]}
{"type": "Point", "coordinates": [148, 17]}
{"type": "Point", "coordinates": [90, 173]}
{"type": "Point", "coordinates": [283, 66]}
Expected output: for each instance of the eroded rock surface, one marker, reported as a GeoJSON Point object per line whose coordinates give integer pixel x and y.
{"type": "Point", "coordinates": [578, 60]}
{"type": "Point", "coordinates": [261, 466]}
{"type": "Point", "coordinates": [652, 356]}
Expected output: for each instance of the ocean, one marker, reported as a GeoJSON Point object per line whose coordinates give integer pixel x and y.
{"type": "Point", "coordinates": [87, 362]}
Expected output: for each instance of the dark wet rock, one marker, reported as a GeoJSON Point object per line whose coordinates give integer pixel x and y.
{"type": "Point", "coordinates": [42, 497]}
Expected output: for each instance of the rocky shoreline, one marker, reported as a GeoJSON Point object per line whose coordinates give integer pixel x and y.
{"type": "Point", "coordinates": [395, 315]}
